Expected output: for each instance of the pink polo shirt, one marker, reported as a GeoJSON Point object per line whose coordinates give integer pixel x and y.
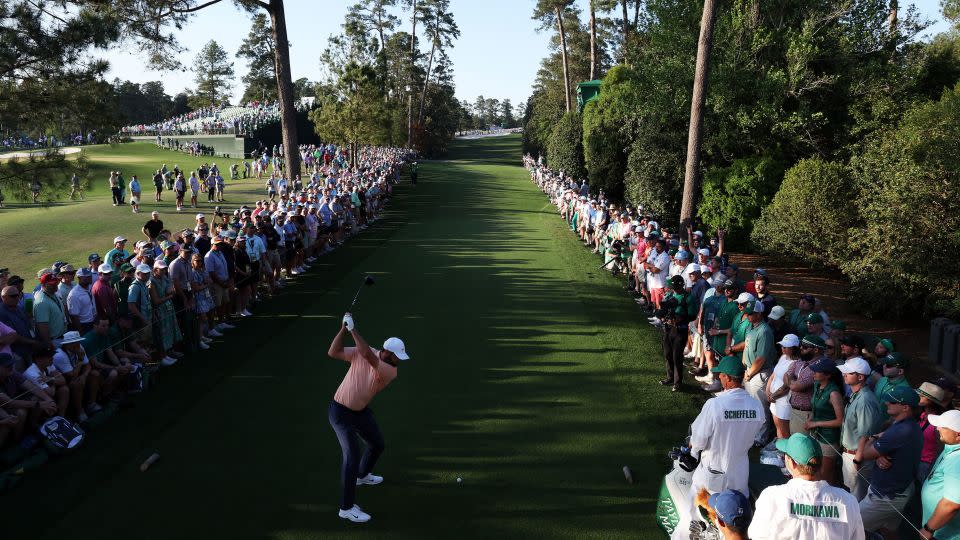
{"type": "Point", "coordinates": [362, 381]}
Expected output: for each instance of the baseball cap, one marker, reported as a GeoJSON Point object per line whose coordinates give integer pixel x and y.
{"type": "Point", "coordinates": [126, 267]}
{"type": "Point", "coordinates": [744, 298]}
{"type": "Point", "coordinates": [705, 252]}
{"type": "Point", "coordinates": [14, 280]}
{"type": "Point", "coordinates": [119, 239]}
{"type": "Point", "coordinates": [218, 239]}
{"type": "Point", "coordinates": [753, 306]}
{"type": "Point", "coordinates": [777, 313]}
{"type": "Point", "coordinates": [729, 505]}
{"type": "Point", "coordinates": [949, 420]}
{"type": "Point", "coordinates": [814, 318]}
{"type": "Point", "coordinates": [800, 447]}
{"type": "Point", "coordinates": [760, 272]}
{"type": "Point", "coordinates": [895, 359]}
{"type": "Point", "coordinates": [730, 365]}
{"type": "Point", "coordinates": [789, 340]}
{"type": "Point", "coordinates": [682, 255]}
{"type": "Point", "coordinates": [934, 392]}
{"type": "Point", "coordinates": [888, 344]}
{"type": "Point", "coordinates": [396, 346]}
{"type": "Point", "coordinates": [855, 365]}
{"type": "Point", "coordinates": [902, 394]}
{"type": "Point", "coordinates": [698, 234]}
{"type": "Point", "coordinates": [814, 341]}
{"type": "Point", "coordinates": [84, 272]}
{"type": "Point", "coordinates": [160, 263]}
{"type": "Point", "coordinates": [837, 324]}
{"type": "Point", "coordinates": [200, 216]}
{"type": "Point", "coordinates": [852, 340]}
{"type": "Point", "coordinates": [67, 269]}
{"type": "Point", "coordinates": [49, 278]}
{"type": "Point", "coordinates": [823, 365]}
{"type": "Point", "coordinates": [93, 257]}
{"type": "Point", "coordinates": [143, 269]}
{"type": "Point", "coordinates": [809, 298]}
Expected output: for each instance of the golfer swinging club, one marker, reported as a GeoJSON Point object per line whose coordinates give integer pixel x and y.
{"type": "Point", "coordinates": [370, 372]}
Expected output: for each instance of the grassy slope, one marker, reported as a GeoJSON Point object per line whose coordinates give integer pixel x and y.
{"type": "Point", "coordinates": [532, 377]}
{"type": "Point", "coordinates": [33, 237]}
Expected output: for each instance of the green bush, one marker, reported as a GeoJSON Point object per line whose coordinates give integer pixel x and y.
{"type": "Point", "coordinates": [654, 179]}
{"type": "Point", "coordinates": [734, 196]}
{"type": "Point", "coordinates": [565, 150]}
{"type": "Point", "coordinates": [904, 260]}
{"type": "Point", "coordinates": [810, 216]}
{"type": "Point", "coordinates": [605, 138]}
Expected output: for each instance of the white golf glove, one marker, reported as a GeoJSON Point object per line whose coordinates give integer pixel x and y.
{"type": "Point", "coordinates": [348, 322]}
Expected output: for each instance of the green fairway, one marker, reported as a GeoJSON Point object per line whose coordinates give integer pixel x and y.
{"type": "Point", "coordinates": [34, 236]}
{"type": "Point", "coordinates": [532, 376]}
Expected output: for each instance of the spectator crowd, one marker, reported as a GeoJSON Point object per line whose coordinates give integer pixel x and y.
{"type": "Point", "coordinates": [88, 334]}
{"type": "Point", "coordinates": [244, 119]}
{"type": "Point", "coordinates": [861, 445]}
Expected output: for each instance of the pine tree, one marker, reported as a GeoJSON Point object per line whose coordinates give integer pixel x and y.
{"type": "Point", "coordinates": [214, 74]}
{"type": "Point", "coordinates": [257, 49]}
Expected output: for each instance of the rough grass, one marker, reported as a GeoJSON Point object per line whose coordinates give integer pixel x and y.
{"type": "Point", "coordinates": [532, 377]}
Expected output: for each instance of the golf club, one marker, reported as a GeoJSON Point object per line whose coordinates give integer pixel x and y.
{"type": "Point", "coordinates": [367, 280]}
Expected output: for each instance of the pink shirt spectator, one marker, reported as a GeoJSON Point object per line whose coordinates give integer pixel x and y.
{"type": "Point", "coordinates": [105, 298]}
{"type": "Point", "coordinates": [931, 440]}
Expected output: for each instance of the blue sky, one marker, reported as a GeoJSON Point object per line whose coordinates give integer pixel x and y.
{"type": "Point", "coordinates": [497, 55]}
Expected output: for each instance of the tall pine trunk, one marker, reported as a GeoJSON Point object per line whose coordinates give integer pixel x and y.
{"type": "Point", "coordinates": [413, 62]}
{"type": "Point", "coordinates": [593, 41]}
{"type": "Point", "coordinates": [426, 79]}
{"type": "Point", "coordinates": [626, 30]}
{"type": "Point", "coordinates": [695, 136]}
{"type": "Point", "coordinates": [563, 53]}
{"type": "Point", "coordinates": [288, 111]}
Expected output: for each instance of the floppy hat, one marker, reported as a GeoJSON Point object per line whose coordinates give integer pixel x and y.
{"type": "Point", "coordinates": [801, 448]}
{"type": "Point", "coordinates": [71, 337]}
{"type": "Point", "coordinates": [855, 365]}
{"type": "Point", "coordinates": [934, 392]}
{"type": "Point", "coordinates": [396, 346]}
{"type": "Point", "coordinates": [949, 420]}
{"type": "Point", "coordinates": [789, 340]}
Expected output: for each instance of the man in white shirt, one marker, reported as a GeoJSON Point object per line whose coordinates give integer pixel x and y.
{"type": "Point", "coordinates": [80, 304]}
{"type": "Point", "coordinates": [657, 266]}
{"type": "Point", "coordinates": [84, 382]}
{"type": "Point", "coordinates": [805, 507]}
{"type": "Point", "coordinates": [724, 432]}
{"type": "Point", "coordinates": [45, 375]}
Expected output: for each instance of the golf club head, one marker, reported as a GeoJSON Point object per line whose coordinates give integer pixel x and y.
{"type": "Point", "coordinates": [368, 280]}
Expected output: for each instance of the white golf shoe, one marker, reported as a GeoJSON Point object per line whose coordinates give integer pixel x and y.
{"type": "Point", "coordinates": [369, 480]}
{"type": "Point", "coordinates": [355, 515]}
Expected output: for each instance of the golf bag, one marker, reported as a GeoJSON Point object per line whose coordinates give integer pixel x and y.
{"type": "Point", "coordinates": [61, 435]}
{"type": "Point", "coordinates": [673, 502]}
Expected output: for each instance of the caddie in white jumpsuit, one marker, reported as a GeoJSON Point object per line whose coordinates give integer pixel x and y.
{"type": "Point", "coordinates": [723, 433]}
{"type": "Point", "coordinates": [805, 507]}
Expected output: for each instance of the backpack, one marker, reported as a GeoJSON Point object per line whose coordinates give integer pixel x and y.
{"type": "Point", "coordinates": [61, 435]}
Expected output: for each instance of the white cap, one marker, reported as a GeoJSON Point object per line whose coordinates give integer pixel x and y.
{"type": "Point", "coordinates": [119, 239]}
{"type": "Point", "coordinates": [71, 337]}
{"type": "Point", "coordinates": [789, 340]}
{"type": "Point", "coordinates": [855, 365]}
{"type": "Point", "coordinates": [395, 345]}
{"type": "Point", "coordinates": [200, 216]}
{"type": "Point", "coordinates": [143, 269]}
{"type": "Point", "coordinates": [776, 313]}
{"type": "Point", "coordinates": [949, 420]}
{"type": "Point", "coordinates": [160, 263]}
{"type": "Point", "coordinates": [104, 268]}
{"type": "Point", "coordinates": [705, 268]}
{"type": "Point", "coordinates": [704, 251]}
{"type": "Point", "coordinates": [698, 234]}
{"type": "Point", "coordinates": [745, 297]}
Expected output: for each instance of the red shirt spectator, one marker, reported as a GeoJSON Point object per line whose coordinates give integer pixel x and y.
{"type": "Point", "coordinates": [104, 296]}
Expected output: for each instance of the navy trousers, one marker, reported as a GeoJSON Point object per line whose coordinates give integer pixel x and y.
{"type": "Point", "coordinates": [351, 426]}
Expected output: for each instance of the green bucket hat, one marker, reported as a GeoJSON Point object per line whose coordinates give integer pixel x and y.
{"type": "Point", "coordinates": [800, 447]}
{"type": "Point", "coordinates": [730, 365]}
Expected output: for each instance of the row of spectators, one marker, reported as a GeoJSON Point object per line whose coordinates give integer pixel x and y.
{"type": "Point", "coordinates": [44, 141]}
{"type": "Point", "coordinates": [86, 334]}
{"type": "Point", "coordinates": [239, 120]}
{"type": "Point", "coordinates": [834, 409]}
